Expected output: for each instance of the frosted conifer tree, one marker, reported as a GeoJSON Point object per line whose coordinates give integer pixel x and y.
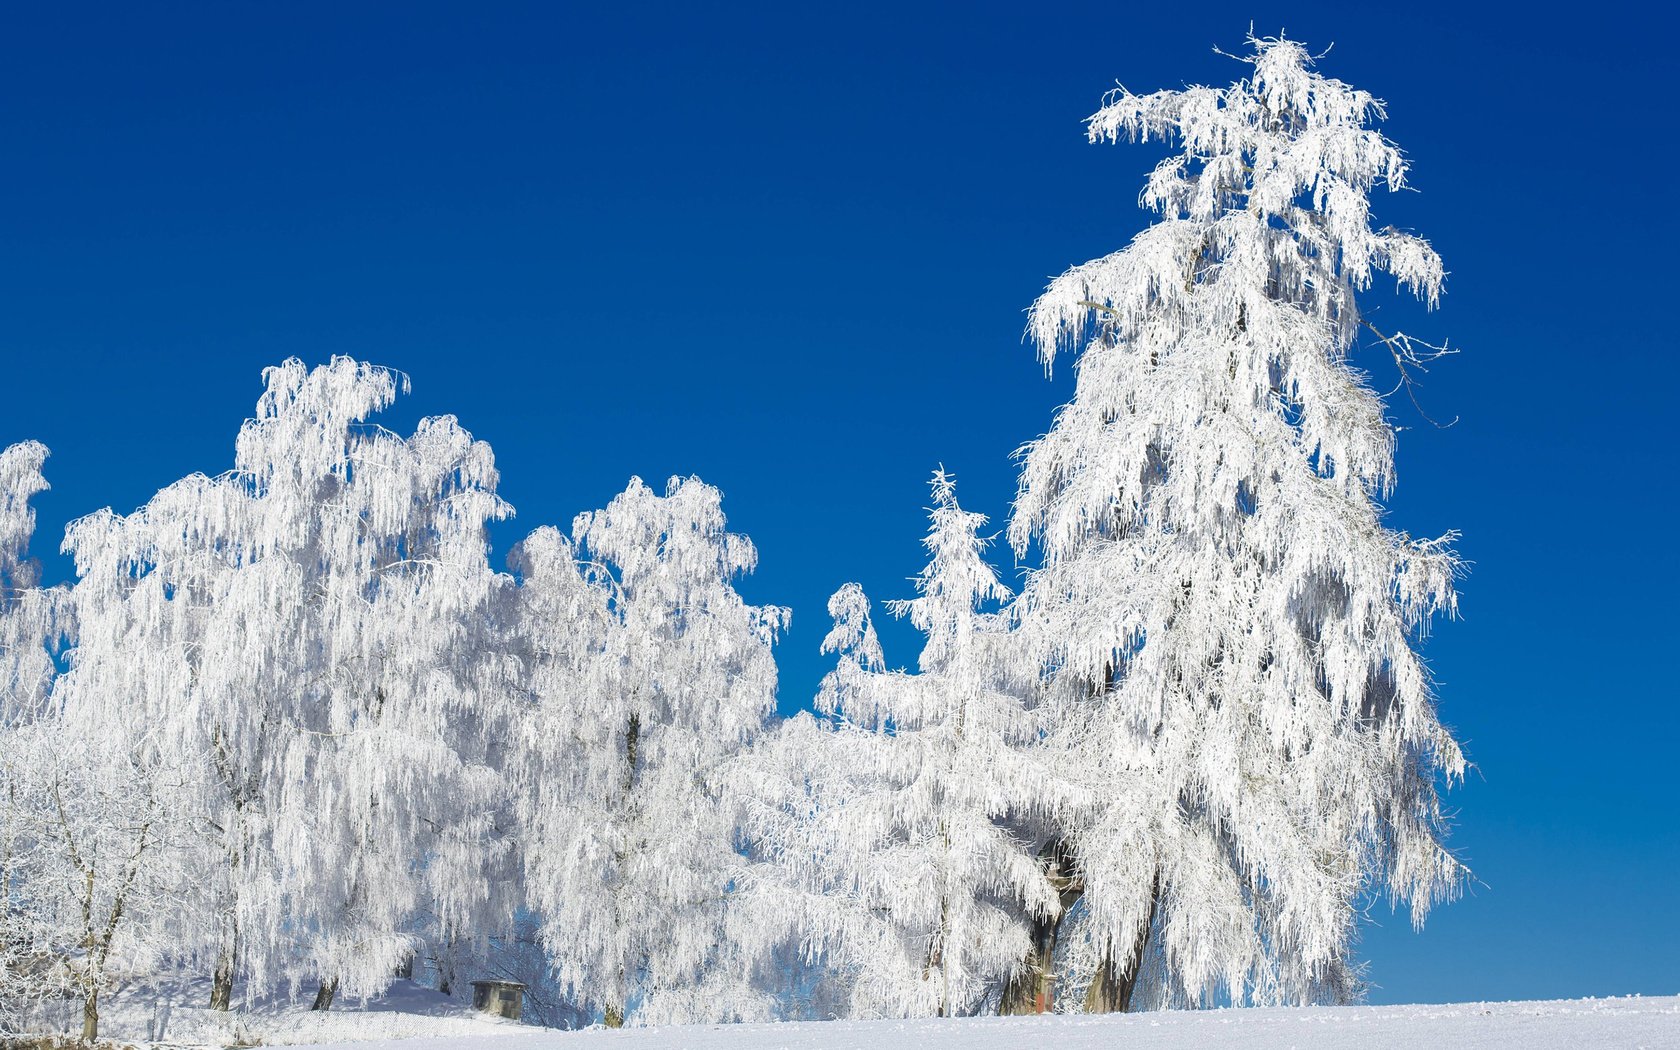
{"type": "Point", "coordinates": [653, 674]}
{"type": "Point", "coordinates": [923, 889]}
{"type": "Point", "coordinates": [976, 764]}
{"type": "Point", "coordinates": [1227, 627]}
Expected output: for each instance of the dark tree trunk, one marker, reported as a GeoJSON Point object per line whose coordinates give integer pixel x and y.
{"type": "Point", "coordinates": [445, 963]}
{"type": "Point", "coordinates": [221, 983]}
{"type": "Point", "coordinates": [90, 1016]}
{"type": "Point", "coordinates": [1112, 986]}
{"type": "Point", "coordinates": [240, 789]}
{"type": "Point", "coordinates": [1029, 991]}
{"type": "Point", "coordinates": [324, 997]}
{"type": "Point", "coordinates": [1032, 988]}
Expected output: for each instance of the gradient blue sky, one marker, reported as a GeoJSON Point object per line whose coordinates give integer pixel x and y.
{"type": "Point", "coordinates": [787, 247]}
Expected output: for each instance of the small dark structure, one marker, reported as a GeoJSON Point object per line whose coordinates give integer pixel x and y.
{"type": "Point", "coordinates": [503, 998]}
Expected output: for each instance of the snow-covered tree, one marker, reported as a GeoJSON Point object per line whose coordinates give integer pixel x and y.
{"type": "Point", "coordinates": [365, 604]}
{"type": "Point", "coordinates": [919, 891]}
{"type": "Point", "coordinates": [27, 612]}
{"type": "Point", "coordinates": [314, 629]}
{"type": "Point", "coordinates": [391, 786]}
{"type": "Point", "coordinates": [569, 739]}
{"type": "Point", "coordinates": [153, 651]}
{"type": "Point", "coordinates": [89, 858]}
{"type": "Point", "coordinates": [26, 670]}
{"type": "Point", "coordinates": [1227, 628]}
{"type": "Point", "coordinates": [978, 765]}
{"type": "Point", "coordinates": [648, 675]}
{"type": "Point", "coordinates": [86, 870]}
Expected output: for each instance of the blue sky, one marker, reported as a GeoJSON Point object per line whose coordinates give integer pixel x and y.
{"type": "Point", "coordinates": [787, 248]}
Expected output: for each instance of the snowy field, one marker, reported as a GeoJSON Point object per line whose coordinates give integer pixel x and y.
{"type": "Point", "coordinates": [1578, 1024]}
{"type": "Point", "coordinates": [412, 1017]}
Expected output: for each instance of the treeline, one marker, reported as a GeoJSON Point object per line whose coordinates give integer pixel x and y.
{"type": "Point", "coordinates": [288, 727]}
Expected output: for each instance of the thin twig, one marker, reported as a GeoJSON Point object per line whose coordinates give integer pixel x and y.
{"type": "Point", "coordinates": [1404, 350]}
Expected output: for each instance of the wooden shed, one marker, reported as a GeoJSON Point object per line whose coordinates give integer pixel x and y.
{"type": "Point", "coordinates": [502, 998]}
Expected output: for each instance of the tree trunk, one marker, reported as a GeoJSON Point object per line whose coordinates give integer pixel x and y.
{"type": "Point", "coordinates": [445, 963]}
{"type": "Point", "coordinates": [936, 960]}
{"type": "Point", "coordinates": [221, 983]}
{"type": "Point", "coordinates": [90, 1016]}
{"type": "Point", "coordinates": [612, 1015]}
{"type": "Point", "coordinates": [1031, 990]}
{"type": "Point", "coordinates": [1111, 987]}
{"type": "Point", "coordinates": [233, 854]}
{"type": "Point", "coordinates": [324, 997]}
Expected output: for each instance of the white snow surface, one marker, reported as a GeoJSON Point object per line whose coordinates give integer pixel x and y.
{"type": "Point", "coordinates": [411, 1017]}
{"type": "Point", "coordinates": [1577, 1023]}
{"type": "Point", "coordinates": [174, 1014]}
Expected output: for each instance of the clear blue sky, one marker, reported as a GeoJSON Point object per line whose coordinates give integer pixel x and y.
{"type": "Point", "coordinates": [787, 248]}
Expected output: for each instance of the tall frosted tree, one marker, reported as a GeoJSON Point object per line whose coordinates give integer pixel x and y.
{"type": "Point", "coordinates": [155, 655]}
{"type": "Point", "coordinates": [88, 866]}
{"type": "Point", "coordinates": [650, 675]}
{"type": "Point", "coordinates": [908, 831]}
{"type": "Point", "coordinates": [569, 751]}
{"type": "Point", "coordinates": [1227, 629]}
{"type": "Point", "coordinates": [371, 610]}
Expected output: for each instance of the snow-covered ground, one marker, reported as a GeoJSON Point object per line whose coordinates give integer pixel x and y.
{"type": "Point", "coordinates": [175, 1015]}
{"type": "Point", "coordinates": [1584, 1024]}
{"type": "Point", "coordinates": [415, 1018]}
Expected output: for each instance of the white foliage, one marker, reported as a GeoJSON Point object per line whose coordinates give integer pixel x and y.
{"type": "Point", "coordinates": [1226, 626]}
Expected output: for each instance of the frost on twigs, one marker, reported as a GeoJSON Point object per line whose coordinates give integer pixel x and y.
{"type": "Point", "coordinates": [1227, 627]}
